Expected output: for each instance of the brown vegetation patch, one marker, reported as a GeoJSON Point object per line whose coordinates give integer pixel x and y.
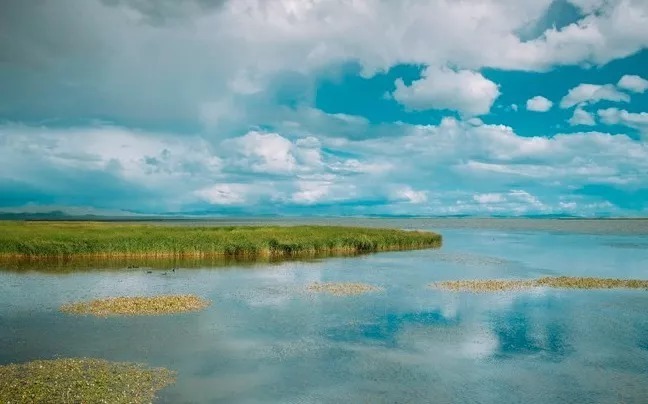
{"type": "Point", "coordinates": [342, 288]}
{"type": "Point", "coordinates": [566, 282]}
{"type": "Point", "coordinates": [137, 306]}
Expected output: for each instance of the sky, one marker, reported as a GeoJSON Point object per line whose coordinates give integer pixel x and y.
{"type": "Point", "coordinates": [324, 107]}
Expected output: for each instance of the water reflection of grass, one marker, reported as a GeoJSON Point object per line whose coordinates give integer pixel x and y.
{"type": "Point", "coordinates": [567, 282]}
{"type": "Point", "coordinates": [133, 306]}
{"type": "Point", "coordinates": [81, 381]}
{"type": "Point", "coordinates": [342, 288]}
{"type": "Point", "coordinates": [62, 239]}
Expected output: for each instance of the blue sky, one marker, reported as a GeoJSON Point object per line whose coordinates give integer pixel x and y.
{"type": "Point", "coordinates": [325, 107]}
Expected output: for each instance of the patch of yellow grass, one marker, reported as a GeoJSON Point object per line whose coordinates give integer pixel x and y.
{"type": "Point", "coordinates": [496, 285]}
{"type": "Point", "coordinates": [81, 380]}
{"type": "Point", "coordinates": [137, 306]}
{"type": "Point", "coordinates": [591, 283]}
{"type": "Point", "coordinates": [342, 288]}
{"type": "Point", "coordinates": [566, 282]}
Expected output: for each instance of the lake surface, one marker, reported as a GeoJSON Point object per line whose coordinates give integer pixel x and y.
{"type": "Point", "coordinates": [264, 339]}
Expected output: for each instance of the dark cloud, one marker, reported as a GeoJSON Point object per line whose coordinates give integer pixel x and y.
{"type": "Point", "coordinates": [160, 12]}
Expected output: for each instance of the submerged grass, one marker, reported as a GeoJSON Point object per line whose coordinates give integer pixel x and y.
{"type": "Point", "coordinates": [564, 282]}
{"type": "Point", "coordinates": [137, 306]}
{"type": "Point", "coordinates": [81, 380]}
{"type": "Point", "coordinates": [342, 288]}
{"type": "Point", "coordinates": [101, 239]}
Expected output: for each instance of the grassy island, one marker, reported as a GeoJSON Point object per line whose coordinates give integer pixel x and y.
{"type": "Point", "coordinates": [563, 282]}
{"type": "Point", "coordinates": [81, 380]}
{"type": "Point", "coordinates": [137, 306]}
{"type": "Point", "coordinates": [109, 240]}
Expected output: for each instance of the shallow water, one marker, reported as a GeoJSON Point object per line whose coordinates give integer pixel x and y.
{"type": "Point", "coordinates": [265, 339]}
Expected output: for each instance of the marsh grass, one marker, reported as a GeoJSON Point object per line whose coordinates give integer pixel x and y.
{"type": "Point", "coordinates": [81, 380]}
{"type": "Point", "coordinates": [561, 282]}
{"type": "Point", "coordinates": [342, 288]}
{"type": "Point", "coordinates": [110, 240]}
{"type": "Point", "coordinates": [137, 306]}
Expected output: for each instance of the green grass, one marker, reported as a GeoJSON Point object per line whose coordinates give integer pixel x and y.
{"type": "Point", "coordinates": [81, 380]}
{"type": "Point", "coordinates": [100, 239]}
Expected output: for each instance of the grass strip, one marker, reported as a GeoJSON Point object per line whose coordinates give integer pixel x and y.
{"type": "Point", "coordinates": [101, 239]}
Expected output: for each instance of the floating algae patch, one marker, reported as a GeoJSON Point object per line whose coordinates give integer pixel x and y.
{"type": "Point", "coordinates": [342, 288]}
{"type": "Point", "coordinates": [469, 259]}
{"type": "Point", "coordinates": [81, 380]}
{"type": "Point", "coordinates": [496, 285]}
{"type": "Point", "coordinates": [591, 283]}
{"type": "Point", "coordinates": [562, 282]}
{"type": "Point", "coordinates": [137, 306]}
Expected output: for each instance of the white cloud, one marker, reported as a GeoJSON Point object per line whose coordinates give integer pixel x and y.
{"type": "Point", "coordinates": [489, 198]}
{"type": "Point", "coordinates": [591, 94]}
{"type": "Point", "coordinates": [224, 194]}
{"type": "Point", "coordinates": [407, 194]}
{"type": "Point", "coordinates": [615, 116]}
{"type": "Point", "coordinates": [582, 117]}
{"type": "Point", "coordinates": [323, 189]}
{"type": "Point", "coordinates": [451, 168]}
{"type": "Point", "coordinates": [538, 104]}
{"type": "Point", "coordinates": [182, 58]}
{"type": "Point", "coordinates": [264, 152]}
{"type": "Point", "coordinates": [633, 83]}
{"type": "Point", "coordinates": [465, 91]}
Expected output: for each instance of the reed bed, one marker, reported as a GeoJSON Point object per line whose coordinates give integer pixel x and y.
{"type": "Point", "coordinates": [109, 240]}
{"type": "Point", "coordinates": [561, 282]}
{"type": "Point", "coordinates": [81, 380]}
{"type": "Point", "coordinates": [137, 306]}
{"type": "Point", "coordinates": [342, 288]}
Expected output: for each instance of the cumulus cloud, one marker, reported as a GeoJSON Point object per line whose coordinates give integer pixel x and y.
{"type": "Point", "coordinates": [465, 91]}
{"type": "Point", "coordinates": [407, 194]}
{"type": "Point", "coordinates": [224, 94]}
{"type": "Point", "coordinates": [582, 117]}
{"type": "Point", "coordinates": [167, 63]}
{"type": "Point", "coordinates": [538, 104]}
{"type": "Point", "coordinates": [615, 116]}
{"type": "Point", "coordinates": [633, 83]}
{"type": "Point", "coordinates": [591, 94]}
{"type": "Point", "coordinates": [451, 168]}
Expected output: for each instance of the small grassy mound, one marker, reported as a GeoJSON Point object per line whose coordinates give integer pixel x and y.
{"type": "Point", "coordinates": [81, 380]}
{"type": "Point", "coordinates": [64, 239]}
{"type": "Point", "coordinates": [137, 306]}
{"type": "Point", "coordinates": [342, 288]}
{"type": "Point", "coordinates": [564, 282]}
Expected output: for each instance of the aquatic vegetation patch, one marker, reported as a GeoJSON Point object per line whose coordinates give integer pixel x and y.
{"type": "Point", "coordinates": [81, 380]}
{"type": "Point", "coordinates": [110, 240]}
{"type": "Point", "coordinates": [342, 288]}
{"type": "Point", "coordinates": [591, 283]}
{"type": "Point", "coordinates": [137, 306]}
{"type": "Point", "coordinates": [495, 285]}
{"type": "Point", "coordinates": [564, 282]}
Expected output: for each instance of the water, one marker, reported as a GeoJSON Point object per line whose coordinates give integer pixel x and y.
{"type": "Point", "coordinates": [264, 339]}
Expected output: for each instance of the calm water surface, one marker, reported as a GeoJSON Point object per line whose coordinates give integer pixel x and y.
{"type": "Point", "coordinates": [264, 339]}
